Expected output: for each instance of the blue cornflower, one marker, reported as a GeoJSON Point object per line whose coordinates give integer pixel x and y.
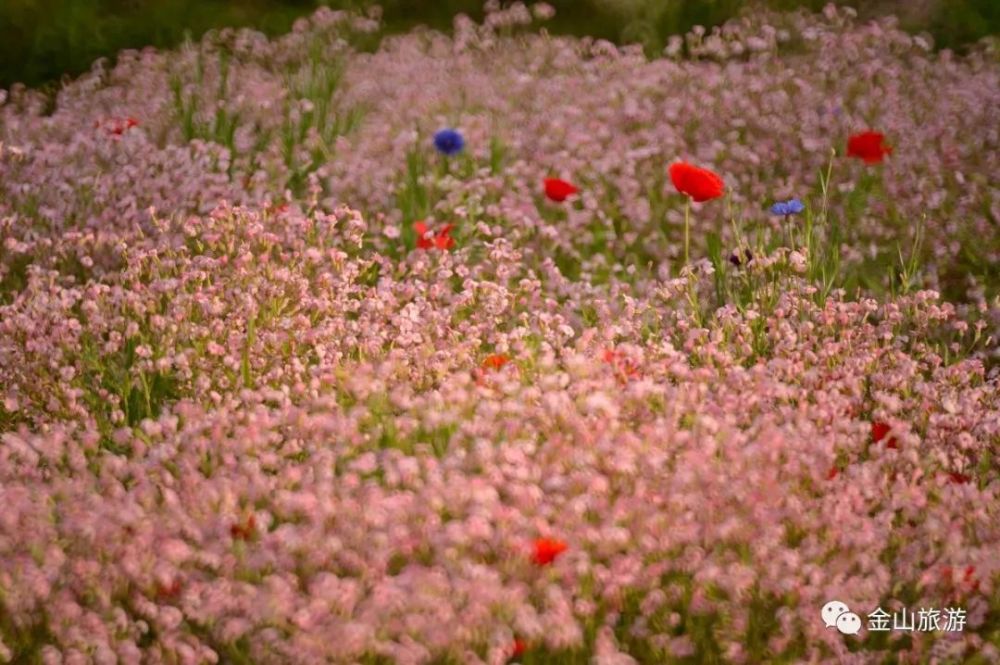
{"type": "Point", "coordinates": [789, 207]}
{"type": "Point", "coordinates": [449, 141]}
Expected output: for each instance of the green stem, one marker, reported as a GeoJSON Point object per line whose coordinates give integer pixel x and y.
{"type": "Point", "coordinates": [687, 230]}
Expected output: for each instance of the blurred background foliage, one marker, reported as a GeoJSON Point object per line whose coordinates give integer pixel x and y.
{"type": "Point", "coordinates": [44, 40]}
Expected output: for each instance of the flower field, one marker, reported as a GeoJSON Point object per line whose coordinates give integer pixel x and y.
{"type": "Point", "coordinates": [497, 347]}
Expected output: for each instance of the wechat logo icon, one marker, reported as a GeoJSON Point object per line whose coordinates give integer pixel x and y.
{"type": "Point", "coordinates": [838, 615]}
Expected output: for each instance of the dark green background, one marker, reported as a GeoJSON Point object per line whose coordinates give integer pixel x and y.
{"type": "Point", "coordinates": [44, 40]}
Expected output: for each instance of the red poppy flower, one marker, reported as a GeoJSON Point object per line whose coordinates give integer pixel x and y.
{"type": "Point", "coordinates": [698, 183]}
{"type": "Point", "coordinates": [558, 190]}
{"type": "Point", "coordinates": [959, 478]}
{"type": "Point", "coordinates": [495, 361]}
{"type": "Point", "coordinates": [243, 531]}
{"type": "Point", "coordinates": [547, 549]}
{"type": "Point", "coordinates": [624, 366]}
{"type": "Point", "coordinates": [121, 125]}
{"type": "Point", "coordinates": [440, 238]}
{"type": "Point", "coordinates": [423, 242]}
{"type": "Point", "coordinates": [116, 126]}
{"type": "Point", "coordinates": [973, 583]}
{"type": "Point", "coordinates": [950, 579]}
{"type": "Point", "coordinates": [832, 473]}
{"type": "Point", "coordinates": [518, 647]}
{"type": "Point", "coordinates": [168, 591]}
{"type": "Point", "coordinates": [879, 432]}
{"type": "Point", "coordinates": [868, 146]}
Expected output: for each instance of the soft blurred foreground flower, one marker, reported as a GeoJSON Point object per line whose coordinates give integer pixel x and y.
{"type": "Point", "coordinates": [868, 146]}
{"type": "Point", "coordinates": [695, 182]}
{"type": "Point", "coordinates": [547, 549]}
{"type": "Point", "coordinates": [559, 190]}
{"type": "Point", "coordinates": [441, 238]}
{"type": "Point", "coordinates": [449, 141]}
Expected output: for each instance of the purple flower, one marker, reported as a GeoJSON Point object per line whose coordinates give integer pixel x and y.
{"type": "Point", "coordinates": [789, 207]}
{"type": "Point", "coordinates": [449, 142]}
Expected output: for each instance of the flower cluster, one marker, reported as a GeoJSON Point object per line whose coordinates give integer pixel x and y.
{"type": "Point", "coordinates": [281, 380]}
